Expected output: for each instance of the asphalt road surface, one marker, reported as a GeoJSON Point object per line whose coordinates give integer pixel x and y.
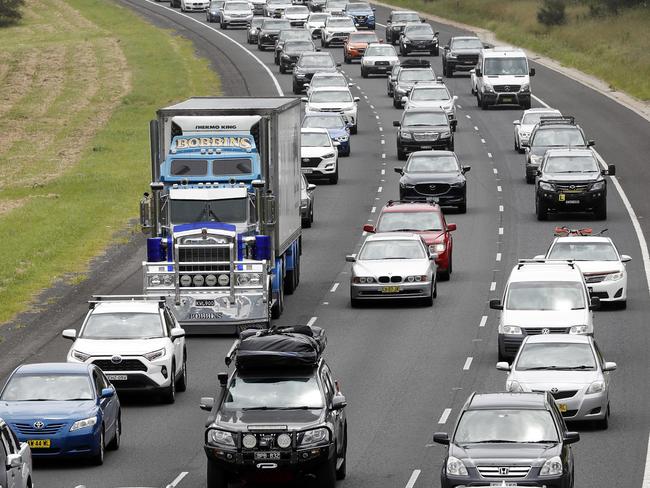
{"type": "Point", "coordinates": [405, 369]}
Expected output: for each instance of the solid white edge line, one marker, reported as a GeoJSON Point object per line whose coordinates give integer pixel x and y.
{"type": "Point", "coordinates": [177, 480]}
{"type": "Point", "coordinates": [413, 478]}
{"type": "Point", "coordinates": [483, 141]}
{"type": "Point", "coordinates": [334, 287]}
{"type": "Point", "coordinates": [489, 155]}
{"type": "Point", "coordinates": [312, 321]}
{"type": "Point", "coordinates": [278, 88]}
{"type": "Point", "coordinates": [483, 321]}
{"type": "Point", "coordinates": [444, 416]}
{"type": "Point", "coordinates": [646, 474]}
{"type": "Point", "coordinates": [468, 363]}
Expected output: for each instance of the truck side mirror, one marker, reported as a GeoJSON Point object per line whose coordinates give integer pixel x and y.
{"type": "Point", "coordinates": [478, 73]}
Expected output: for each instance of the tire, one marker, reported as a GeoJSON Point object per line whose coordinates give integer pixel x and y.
{"type": "Point", "coordinates": [435, 289]}
{"type": "Point", "coordinates": [169, 394]}
{"type": "Point", "coordinates": [278, 307]}
{"type": "Point", "coordinates": [311, 221]}
{"type": "Point", "coordinates": [462, 208]}
{"type": "Point", "coordinates": [354, 129]}
{"type": "Point", "coordinates": [401, 154]}
{"type": "Point", "coordinates": [428, 301]}
{"type": "Point", "coordinates": [451, 145]}
{"type": "Point", "coordinates": [290, 281]}
{"type": "Point", "coordinates": [622, 305]}
{"type": "Point", "coordinates": [98, 459]}
{"type": "Point", "coordinates": [347, 60]}
{"type": "Point", "coordinates": [517, 148]}
{"type": "Point", "coordinates": [282, 70]}
{"type": "Point", "coordinates": [296, 89]}
{"type": "Point", "coordinates": [603, 424]}
{"type": "Point", "coordinates": [501, 357]}
{"type": "Point", "coordinates": [333, 179]}
{"type": "Point", "coordinates": [601, 211]}
{"type": "Point", "coordinates": [541, 213]}
{"type": "Point", "coordinates": [322, 42]}
{"type": "Point", "coordinates": [216, 477]}
{"type": "Point", "coordinates": [484, 105]}
{"type": "Point", "coordinates": [223, 26]}
{"type": "Point", "coordinates": [181, 384]}
{"type": "Point", "coordinates": [396, 103]}
{"type": "Point", "coordinates": [436, 51]}
{"type": "Point", "coordinates": [364, 73]}
{"type": "Point", "coordinates": [114, 445]}
{"type": "Point", "coordinates": [276, 59]}
{"type": "Point", "coordinates": [526, 105]}
{"type": "Point", "coordinates": [341, 471]}
{"type": "Point", "coordinates": [259, 47]}
{"type": "Point", "coordinates": [326, 475]}
{"type": "Point", "coordinates": [355, 302]}
{"type": "Point", "coordinates": [530, 179]}
{"type": "Point", "coordinates": [389, 90]}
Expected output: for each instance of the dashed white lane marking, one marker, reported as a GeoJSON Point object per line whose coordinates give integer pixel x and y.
{"type": "Point", "coordinates": [334, 287]}
{"type": "Point", "coordinates": [413, 478]}
{"type": "Point", "coordinates": [500, 231]}
{"type": "Point", "coordinates": [646, 474]}
{"type": "Point", "coordinates": [383, 171]}
{"type": "Point", "coordinates": [372, 107]}
{"type": "Point", "coordinates": [460, 106]}
{"type": "Point", "coordinates": [379, 190]}
{"type": "Point", "coordinates": [483, 321]}
{"type": "Point", "coordinates": [483, 141]}
{"type": "Point", "coordinates": [373, 209]}
{"type": "Point", "coordinates": [383, 181]}
{"type": "Point", "coordinates": [475, 128]}
{"type": "Point", "coordinates": [178, 479]}
{"type": "Point", "coordinates": [468, 116]}
{"type": "Point", "coordinates": [312, 321]}
{"type": "Point", "coordinates": [381, 129]}
{"type": "Point", "coordinates": [383, 156]}
{"type": "Point", "coordinates": [326, 303]}
{"type": "Point", "coordinates": [498, 256]}
{"type": "Point", "coordinates": [383, 142]}
{"type": "Point", "coordinates": [377, 117]}
{"type": "Point", "coordinates": [500, 208]}
{"type": "Point", "coordinates": [489, 155]}
{"type": "Point", "coordinates": [468, 363]}
{"type": "Point", "coordinates": [493, 286]}
{"type": "Point", "coordinates": [495, 171]}
{"type": "Point", "coordinates": [444, 416]}
{"type": "Point", "coordinates": [499, 188]}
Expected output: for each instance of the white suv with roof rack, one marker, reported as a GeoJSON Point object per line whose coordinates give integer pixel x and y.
{"type": "Point", "coordinates": [136, 341]}
{"type": "Point", "coordinates": [543, 297]}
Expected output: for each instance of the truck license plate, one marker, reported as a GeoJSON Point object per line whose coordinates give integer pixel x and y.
{"type": "Point", "coordinates": [117, 377]}
{"type": "Point", "coordinates": [390, 289]}
{"type": "Point", "coordinates": [264, 456]}
{"type": "Point", "coordinates": [572, 202]}
{"type": "Point", "coordinates": [204, 303]}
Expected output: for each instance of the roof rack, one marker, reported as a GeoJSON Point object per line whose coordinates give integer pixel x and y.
{"type": "Point", "coordinates": [556, 119]}
{"type": "Point", "coordinates": [429, 200]}
{"type": "Point", "coordinates": [564, 231]}
{"type": "Point", "coordinates": [95, 299]}
{"type": "Point", "coordinates": [526, 262]}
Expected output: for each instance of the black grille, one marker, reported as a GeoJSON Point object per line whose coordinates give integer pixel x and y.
{"type": "Point", "coordinates": [559, 395]}
{"type": "Point", "coordinates": [382, 63]}
{"type": "Point", "coordinates": [310, 162]}
{"type": "Point", "coordinates": [390, 279]}
{"type": "Point", "coordinates": [600, 294]}
{"type": "Point", "coordinates": [29, 429]}
{"type": "Point", "coordinates": [467, 58]}
{"type": "Point", "coordinates": [542, 330]}
{"type": "Point", "coordinates": [124, 365]}
{"type": "Point", "coordinates": [203, 254]}
{"type": "Point", "coordinates": [432, 188]}
{"type": "Point", "coordinates": [572, 188]}
{"type": "Point", "coordinates": [506, 88]}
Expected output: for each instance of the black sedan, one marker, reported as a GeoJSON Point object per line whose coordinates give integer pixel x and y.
{"type": "Point", "coordinates": [434, 175]}
{"type": "Point", "coordinates": [422, 129]}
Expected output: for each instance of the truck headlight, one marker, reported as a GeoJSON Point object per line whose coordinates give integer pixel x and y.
{"type": "Point", "coordinates": [596, 387]}
{"type": "Point", "coordinates": [198, 280]}
{"type": "Point", "coordinates": [579, 329]}
{"type": "Point", "coordinates": [405, 135]}
{"type": "Point", "coordinates": [314, 437]}
{"type": "Point", "coordinates": [511, 330]}
{"type": "Point", "coordinates": [81, 356]}
{"type": "Point", "coordinates": [552, 467]}
{"type": "Point", "coordinates": [543, 185]}
{"type": "Point", "coordinates": [455, 467]}
{"type": "Point", "coordinates": [221, 438]}
{"type": "Point", "coordinates": [223, 280]}
{"type": "Point", "coordinates": [81, 424]}
{"type": "Point", "coordinates": [153, 355]}
{"type": "Point", "coordinates": [186, 280]}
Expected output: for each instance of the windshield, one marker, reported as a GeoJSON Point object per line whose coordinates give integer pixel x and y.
{"type": "Point", "coordinates": [317, 61]}
{"type": "Point", "coordinates": [362, 37]}
{"type": "Point", "coordinates": [409, 222]}
{"type": "Point", "coordinates": [412, 119]}
{"type": "Point", "coordinates": [403, 17]}
{"type": "Point", "coordinates": [506, 66]}
{"type": "Point", "coordinates": [381, 51]}
{"type": "Point", "coordinates": [311, 139]}
{"type": "Point", "coordinates": [48, 387]}
{"type": "Point", "coordinates": [187, 211]}
{"type": "Point", "coordinates": [337, 80]}
{"type": "Point", "coordinates": [339, 22]}
{"type": "Point", "coordinates": [256, 22]}
{"type": "Point", "coordinates": [396, 249]}
{"type": "Point", "coordinates": [540, 295]}
{"type": "Point", "coordinates": [505, 426]}
{"type": "Point", "coordinates": [324, 122]}
{"type": "Point", "coordinates": [555, 355]}
{"type": "Point", "coordinates": [217, 4]}
{"type": "Point", "coordinates": [296, 10]}
{"type": "Point", "coordinates": [418, 29]}
{"type": "Point", "coordinates": [318, 17]}
{"type": "Point", "coordinates": [123, 326]}
{"type": "Point", "coordinates": [466, 44]}
{"type": "Point", "coordinates": [559, 137]}
{"type": "Point", "coordinates": [276, 24]}
{"type": "Point", "coordinates": [430, 94]}
{"type": "Point", "coordinates": [236, 6]}
{"type": "Point", "coordinates": [322, 96]}
{"type": "Point", "coordinates": [432, 164]}
{"type": "Point", "coordinates": [533, 118]}
{"type": "Point", "coordinates": [571, 164]}
{"type": "Point", "coordinates": [189, 167]}
{"type": "Point", "coordinates": [298, 46]}
{"type": "Point", "coordinates": [269, 393]}
{"type": "Point", "coordinates": [416, 75]}
{"type": "Point", "coordinates": [584, 251]}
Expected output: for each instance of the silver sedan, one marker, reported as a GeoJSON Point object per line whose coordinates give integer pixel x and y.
{"type": "Point", "coordinates": [571, 367]}
{"type": "Point", "coordinates": [393, 265]}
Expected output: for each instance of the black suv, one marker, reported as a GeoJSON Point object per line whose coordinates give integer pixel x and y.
{"type": "Point", "coordinates": [291, 51]}
{"type": "Point", "coordinates": [570, 180]}
{"type": "Point", "coordinates": [307, 65]}
{"type": "Point", "coordinates": [437, 175]}
{"type": "Point", "coordinates": [509, 439]}
{"type": "Point", "coordinates": [552, 133]}
{"type": "Point", "coordinates": [407, 63]}
{"type": "Point", "coordinates": [269, 32]}
{"type": "Point", "coordinates": [421, 129]}
{"type": "Point", "coordinates": [460, 54]}
{"type": "Point", "coordinates": [418, 37]}
{"type": "Point", "coordinates": [279, 414]}
{"type": "Point", "coordinates": [289, 35]}
{"type": "Point", "coordinates": [406, 80]}
{"type": "Point", "coordinates": [396, 22]}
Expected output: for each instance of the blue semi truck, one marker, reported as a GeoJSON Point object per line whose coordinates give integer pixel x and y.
{"type": "Point", "coordinates": [224, 211]}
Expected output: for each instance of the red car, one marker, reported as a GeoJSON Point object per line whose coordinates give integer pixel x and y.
{"type": "Point", "coordinates": [422, 218]}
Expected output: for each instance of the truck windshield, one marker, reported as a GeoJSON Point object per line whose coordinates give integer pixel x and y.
{"type": "Point", "coordinates": [189, 167]}
{"type": "Point", "coordinates": [232, 166]}
{"type": "Point", "coordinates": [187, 211]}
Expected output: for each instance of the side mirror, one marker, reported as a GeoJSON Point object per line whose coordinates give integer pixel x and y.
{"type": "Point", "coordinates": [571, 437]}
{"type": "Point", "coordinates": [451, 227]}
{"type": "Point", "coordinates": [516, 122]}
{"type": "Point", "coordinates": [503, 366]}
{"type": "Point", "coordinates": [465, 169]}
{"type": "Point", "coordinates": [207, 403]}
{"type": "Point", "coordinates": [496, 305]}
{"type": "Point", "coordinates": [14, 460]}
{"type": "Point", "coordinates": [399, 171]}
{"type": "Point", "coordinates": [338, 65]}
{"type": "Point", "coordinates": [311, 187]}
{"type": "Point", "coordinates": [178, 333]}
{"type": "Point", "coordinates": [404, 99]}
{"type": "Point", "coordinates": [356, 99]}
{"type": "Point", "coordinates": [531, 72]}
{"type": "Point", "coordinates": [304, 99]}
{"type": "Point", "coordinates": [336, 144]}
{"type": "Point", "coordinates": [486, 45]}
{"type": "Point", "coordinates": [594, 303]}
{"type": "Point", "coordinates": [538, 172]}
{"type": "Point", "coordinates": [107, 393]}
{"type": "Point", "coordinates": [222, 378]}
{"type": "Point", "coordinates": [369, 228]}
{"type": "Point", "coordinates": [396, 123]}
{"type": "Point", "coordinates": [478, 73]}
{"type": "Point", "coordinates": [538, 257]}
{"type": "Point", "coordinates": [441, 438]}
{"type": "Point", "coordinates": [611, 170]}
{"type": "Point", "coordinates": [69, 334]}
{"type": "Point", "coordinates": [455, 97]}
{"type": "Point", "coordinates": [339, 402]}
{"type": "Point", "coordinates": [625, 258]}
{"type": "Point", "coordinates": [591, 142]}
{"type": "Point", "coordinates": [609, 366]}
{"type": "Point", "coordinates": [350, 258]}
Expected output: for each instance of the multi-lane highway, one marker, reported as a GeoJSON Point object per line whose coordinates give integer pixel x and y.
{"type": "Point", "coordinates": [405, 369]}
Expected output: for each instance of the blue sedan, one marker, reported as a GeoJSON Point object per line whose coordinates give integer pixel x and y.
{"type": "Point", "coordinates": [337, 128]}
{"type": "Point", "coordinates": [63, 409]}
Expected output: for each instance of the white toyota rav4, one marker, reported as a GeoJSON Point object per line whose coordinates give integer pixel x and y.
{"type": "Point", "coordinates": [136, 341]}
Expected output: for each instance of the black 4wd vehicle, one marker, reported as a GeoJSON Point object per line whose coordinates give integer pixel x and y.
{"type": "Point", "coordinates": [460, 54]}
{"type": "Point", "coordinates": [423, 129]}
{"type": "Point", "coordinates": [279, 415]}
{"type": "Point", "coordinates": [396, 22]}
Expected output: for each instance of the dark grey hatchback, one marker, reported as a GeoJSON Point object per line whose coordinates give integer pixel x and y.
{"type": "Point", "coordinates": [514, 439]}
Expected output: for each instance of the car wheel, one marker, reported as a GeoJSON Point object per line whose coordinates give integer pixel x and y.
{"type": "Point", "coordinates": [333, 179]}
{"type": "Point", "coordinates": [296, 89]}
{"type": "Point", "coordinates": [278, 306]}
{"type": "Point", "coordinates": [542, 214]}
{"type": "Point", "coordinates": [601, 211]}
{"type": "Point", "coordinates": [450, 146]}
{"type": "Point", "coordinates": [622, 305]}
{"type": "Point", "coordinates": [401, 154]}
{"type": "Point", "coordinates": [114, 445]}
{"type": "Point", "coordinates": [169, 394]}
{"type": "Point", "coordinates": [181, 385]}
{"type": "Point", "coordinates": [603, 424]}
{"type": "Point", "coordinates": [322, 42]}
{"type": "Point", "coordinates": [526, 105]}
{"type": "Point", "coordinates": [341, 471]}
{"type": "Point", "coordinates": [276, 59]}
{"type": "Point", "coordinates": [98, 459]}
{"type": "Point", "coordinates": [223, 26]}
{"type": "Point", "coordinates": [354, 129]}
{"type": "Point", "coordinates": [530, 179]}
{"type": "Point", "coordinates": [355, 302]}
{"type": "Point", "coordinates": [216, 477]}
{"type": "Point", "coordinates": [484, 105]}
{"type": "Point", "coordinates": [311, 218]}
{"type": "Point", "coordinates": [364, 73]}
{"type": "Point", "coordinates": [326, 474]}
{"type": "Point", "coordinates": [516, 145]}
{"type": "Point", "coordinates": [436, 52]}
{"type": "Point", "coordinates": [347, 60]}
{"type": "Point", "coordinates": [282, 70]}
{"type": "Point", "coordinates": [389, 92]}
{"type": "Point", "coordinates": [428, 301]}
{"type": "Point", "coordinates": [259, 47]}
{"type": "Point", "coordinates": [462, 208]}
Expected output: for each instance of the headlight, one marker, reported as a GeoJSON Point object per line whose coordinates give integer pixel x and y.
{"type": "Point", "coordinates": [342, 138]}
{"type": "Point", "coordinates": [80, 424]}
{"type": "Point", "coordinates": [329, 155]}
{"type": "Point", "coordinates": [365, 61]}
{"type": "Point", "coordinates": [223, 280]}
{"type": "Point", "coordinates": [221, 438]}
{"type": "Point", "coordinates": [510, 330]}
{"type": "Point", "coordinates": [249, 278]}
{"type": "Point", "coordinates": [596, 387]}
{"type": "Point", "coordinates": [314, 437]}
{"type": "Point", "coordinates": [445, 134]}
{"type": "Point", "coordinates": [546, 186]}
{"type": "Point", "coordinates": [525, 87]}
{"type": "Point", "coordinates": [81, 356]}
{"type": "Point", "coordinates": [186, 280]}
{"type": "Point", "coordinates": [198, 280]}
{"type": "Point", "coordinates": [598, 186]}
{"type": "Point", "coordinates": [153, 355]}
{"type": "Point", "coordinates": [249, 441]}
{"type": "Point", "coordinates": [284, 441]}
{"type": "Point", "coordinates": [552, 467]}
{"type": "Point", "coordinates": [614, 277]}
{"type": "Point", "coordinates": [416, 279]}
{"type": "Point", "coordinates": [579, 329]}
{"type": "Point", "coordinates": [405, 135]}
{"type": "Point", "coordinates": [440, 247]}
{"type": "Point", "coordinates": [455, 467]}
{"type": "Point", "coordinates": [488, 88]}
{"type": "Point", "coordinates": [363, 280]}
{"type": "Point", "coordinates": [513, 386]}
{"type": "Point", "coordinates": [451, 56]}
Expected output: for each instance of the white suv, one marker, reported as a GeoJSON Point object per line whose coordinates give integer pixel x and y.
{"type": "Point", "coordinates": [136, 341]}
{"type": "Point", "coordinates": [543, 297]}
{"type": "Point", "coordinates": [333, 99]}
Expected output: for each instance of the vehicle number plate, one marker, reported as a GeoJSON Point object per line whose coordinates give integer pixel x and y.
{"type": "Point", "coordinates": [204, 303]}
{"type": "Point", "coordinates": [425, 148]}
{"type": "Point", "coordinates": [390, 289]}
{"type": "Point", "coordinates": [263, 456]}
{"type": "Point", "coordinates": [503, 483]}
{"type": "Point", "coordinates": [572, 202]}
{"type": "Point", "coordinates": [117, 377]}
{"type": "Point", "coordinates": [507, 100]}
{"type": "Point", "coordinates": [205, 316]}
{"type": "Point", "coordinates": [563, 407]}
{"type": "Point", "coordinates": [307, 171]}
{"type": "Point", "coordinates": [39, 443]}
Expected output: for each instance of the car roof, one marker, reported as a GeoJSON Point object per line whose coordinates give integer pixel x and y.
{"type": "Point", "coordinates": [121, 306]}
{"type": "Point", "coordinates": [403, 12]}
{"type": "Point", "coordinates": [541, 110]}
{"type": "Point", "coordinates": [433, 153]}
{"type": "Point", "coordinates": [558, 339]}
{"type": "Point", "coordinates": [394, 236]}
{"type": "Point", "coordinates": [403, 207]}
{"type": "Point", "coordinates": [489, 401]}
{"type": "Point", "coordinates": [579, 239]}
{"type": "Point", "coordinates": [573, 151]}
{"type": "Point", "coordinates": [331, 89]}
{"type": "Point", "coordinates": [545, 271]}
{"type": "Point", "coordinates": [503, 52]}
{"type": "Point", "coordinates": [465, 37]}
{"type": "Point", "coordinates": [424, 110]}
{"type": "Point", "coordinates": [53, 368]}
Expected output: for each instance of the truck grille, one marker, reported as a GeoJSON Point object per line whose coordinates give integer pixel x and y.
{"type": "Point", "coordinates": [503, 471]}
{"type": "Point", "coordinates": [203, 254]}
{"type": "Point", "coordinates": [432, 188]}
{"type": "Point", "coordinates": [29, 429]}
{"type": "Point", "coordinates": [124, 365]}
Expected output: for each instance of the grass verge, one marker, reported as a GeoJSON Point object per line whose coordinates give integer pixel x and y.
{"type": "Point", "coordinates": [615, 49]}
{"type": "Point", "coordinates": [82, 79]}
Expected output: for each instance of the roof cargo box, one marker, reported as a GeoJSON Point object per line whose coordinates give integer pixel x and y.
{"type": "Point", "coordinates": [285, 347]}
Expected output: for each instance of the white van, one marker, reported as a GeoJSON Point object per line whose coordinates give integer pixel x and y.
{"type": "Point", "coordinates": [502, 77]}
{"type": "Point", "coordinates": [543, 297]}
